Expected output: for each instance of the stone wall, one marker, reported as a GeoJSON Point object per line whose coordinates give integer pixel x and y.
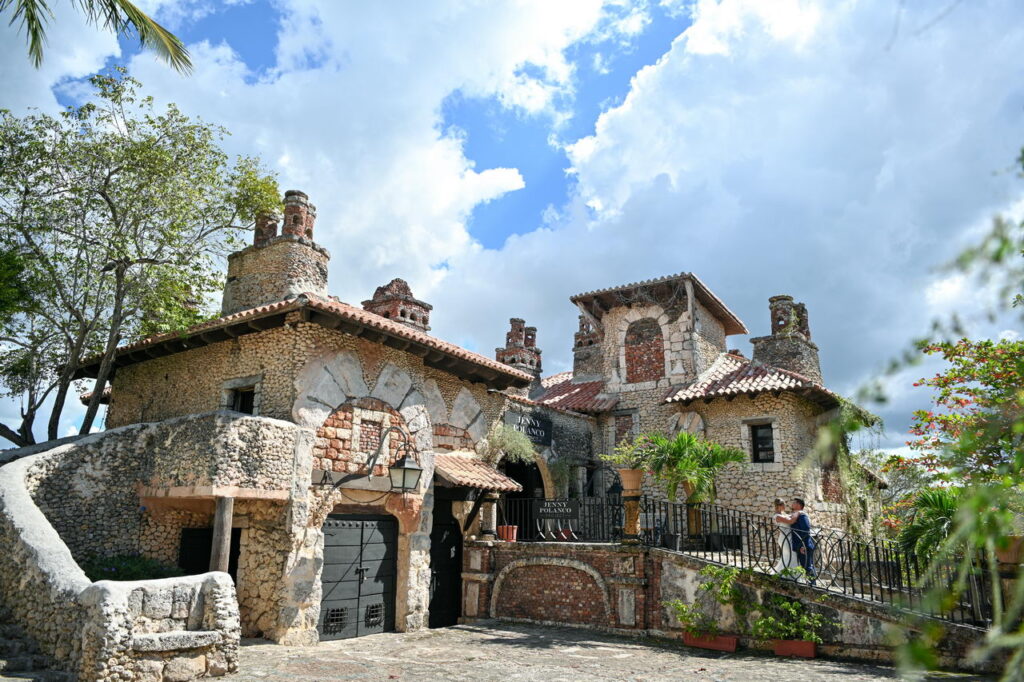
{"type": "Point", "coordinates": [179, 628]}
{"type": "Point", "coordinates": [91, 493]}
{"type": "Point", "coordinates": [752, 487]}
{"type": "Point", "coordinates": [623, 589]}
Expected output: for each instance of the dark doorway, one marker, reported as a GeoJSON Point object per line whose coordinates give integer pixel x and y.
{"type": "Point", "coordinates": [445, 566]}
{"type": "Point", "coordinates": [516, 508]}
{"type": "Point", "coordinates": [195, 548]}
{"type": "Point", "coordinates": [360, 560]}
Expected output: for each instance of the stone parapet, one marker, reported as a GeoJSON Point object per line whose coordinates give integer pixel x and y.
{"type": "Point", "coordinates": [178, 628]}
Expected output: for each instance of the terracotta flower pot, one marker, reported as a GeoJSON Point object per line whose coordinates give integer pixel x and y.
{"type": "Point", "coordinates": [1014, 551]}
{"type": "Point", "coordinates": [631, 478]}
{"type": "Point", "coordinates": [794, 647]}
{"type": "Point", "coordinates": [508, 533]}
{"type": "Point", "coordinates": [713, 642]}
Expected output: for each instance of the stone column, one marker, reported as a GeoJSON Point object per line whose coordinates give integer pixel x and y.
{"type": "Point", "coordinates": [220, 553]}
{"type": "Point", "coordinates": [488, 516]}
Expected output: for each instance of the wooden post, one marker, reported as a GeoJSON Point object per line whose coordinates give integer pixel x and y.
{"type": "Point", "coordinates": [220, 553]}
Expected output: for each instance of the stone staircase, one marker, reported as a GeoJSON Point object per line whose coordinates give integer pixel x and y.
{"type": "Point", "coordinates": [20, 658]}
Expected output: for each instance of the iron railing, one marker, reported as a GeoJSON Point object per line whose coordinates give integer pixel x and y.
{"type": "Point", "coordinates": [870, 570]}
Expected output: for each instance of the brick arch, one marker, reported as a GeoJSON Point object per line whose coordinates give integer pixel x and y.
{"type": "Point", "coordinates": [644, 345]}
{"type": "Point", "coordinates": [351, 433]}
{"type": "Point", "coordinates": [541, 591]}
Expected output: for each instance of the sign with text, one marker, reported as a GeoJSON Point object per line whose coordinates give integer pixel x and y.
{"type": "Point", "coordinates": [535, 427]}
{"type": "Point", "coordinates": [563, 510]}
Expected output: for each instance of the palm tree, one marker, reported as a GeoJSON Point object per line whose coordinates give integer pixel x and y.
{"type": "Point", "coordinates": [931, 520]}
{"type": "Point", "coordinates": [691, 462]}
{"type": "Point", "coordinates": [119, 16]}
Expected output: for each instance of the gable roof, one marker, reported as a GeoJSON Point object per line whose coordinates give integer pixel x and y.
{"type": "Point", "coordinates": [585, 396]}
{"type": "Point", "coordinates": [732, 375]}
{"type": "Point", "coordinates": [600, 300]}
{"type": "Point", "coordinates": [329, 313]}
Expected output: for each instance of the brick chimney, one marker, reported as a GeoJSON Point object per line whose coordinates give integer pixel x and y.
{"type": "Point", "coordinates": [277, 267]}
{"type": "Point", "coordinates": [395, 301]}
{"type": "Point", "coordinates": [789, 346]}
{"type": "Point", "coordinates": [521, 352]}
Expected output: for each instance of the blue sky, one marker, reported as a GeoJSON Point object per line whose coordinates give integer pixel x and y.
{"type": "Point", "coordinates": [502, 156]}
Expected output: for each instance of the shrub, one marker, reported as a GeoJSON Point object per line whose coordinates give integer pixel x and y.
{"type": "Point", "coordinates": [127, 567]}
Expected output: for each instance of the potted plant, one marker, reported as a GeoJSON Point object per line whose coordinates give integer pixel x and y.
{"type": "Point", "coordinates": [699, 628]}
{"type": "Point", "coordinates": [689, 462]}
{"type": "Point", "coordinates": [631, 459]}
{"type": "Point", "coordinates": [792, 629]}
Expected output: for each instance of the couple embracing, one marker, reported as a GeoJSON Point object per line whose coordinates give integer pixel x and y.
{"type": "Point", "coordinates": [796, 544]}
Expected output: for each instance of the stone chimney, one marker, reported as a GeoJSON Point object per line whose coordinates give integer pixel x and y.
{"type": "Point", "coordinates": [789, 346]}
{"type": "Point", "coordinates": [521, 352]}
{"type": "Point", "coordinates": [395, 301]}
{"type": "Point", "coordinates": [277, 267]}
{"type": "Point", "coordinates": [586, 351]}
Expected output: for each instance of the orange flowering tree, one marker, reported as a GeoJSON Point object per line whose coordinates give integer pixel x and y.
{"type": "Point", "coordinates": [982, 391]}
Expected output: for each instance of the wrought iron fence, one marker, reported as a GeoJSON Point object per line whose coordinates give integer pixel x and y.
{"type": "Point", "coordinates": [870, 570]}
{"type": "Point", "coordinates": [833, 560]}
{"type": "Point", "coordinates": [587, 519]}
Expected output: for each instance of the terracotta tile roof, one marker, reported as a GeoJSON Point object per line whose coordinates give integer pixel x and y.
{"type": "Point", "coordinates": [393, 333]}
{"type": "Point", "coordinates": [466, 469]}
{"type": "Point", "coordinates": [547, 382]}
{"type": "Point", "coordinates": [104, 399]}
{"type": "Point", "coordinates": [585, 396]}
{"type": "Point", "coordinates": [733, 375]}
{"type": "Point", "coordinates": [536, 403]}
{"type": "Point", "coordinates": [733, 324]}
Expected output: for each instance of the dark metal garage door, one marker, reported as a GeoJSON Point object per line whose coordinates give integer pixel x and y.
{"type": "Point", "coordinates": [358, 576]}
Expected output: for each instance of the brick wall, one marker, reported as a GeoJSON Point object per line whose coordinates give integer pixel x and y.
{"type": "Point", "coordinates": [351, 435]}
{"type": "Point", "coordinates": [448, 437]}
{"type": "Point", "coordinates": [645, 352]}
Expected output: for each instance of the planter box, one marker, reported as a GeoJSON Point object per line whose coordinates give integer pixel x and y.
{"type": "Point", "coordinates": [715, 643]}
{"type": "Point", "coordinates": [794, 647]}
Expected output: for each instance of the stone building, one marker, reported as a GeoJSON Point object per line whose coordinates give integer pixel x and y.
{"type": "Point", "coordinates": [356, 382]}
{"type": "Point", "coordinates": [264, 442]}
{"type": "Point", "coordinates": [652, 356]}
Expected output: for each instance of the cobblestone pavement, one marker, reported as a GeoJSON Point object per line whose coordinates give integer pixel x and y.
{"type": "Point", "coordinates": [521, 652]}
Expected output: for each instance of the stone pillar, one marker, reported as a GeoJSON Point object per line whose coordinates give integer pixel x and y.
{"type": "Point", "coordinates": [220, 553]}
{"type": "Point", "coordinates": [488, 516]}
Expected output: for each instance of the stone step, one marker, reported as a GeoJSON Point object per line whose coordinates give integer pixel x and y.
{"type": "Point", "coordinates": [24, 663]}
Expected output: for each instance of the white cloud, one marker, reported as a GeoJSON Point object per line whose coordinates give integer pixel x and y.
{"type": "Point", "coordinates": [784, 147]}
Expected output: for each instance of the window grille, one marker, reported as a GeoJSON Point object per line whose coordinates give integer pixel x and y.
{"type": "Point", "coordinates": [335, 620]}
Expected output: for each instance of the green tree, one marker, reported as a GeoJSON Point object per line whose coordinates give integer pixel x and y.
{"type": "Point", "coordinates": [975, 439]}
{"type": "Point", "coordinates": [930, 520]}
{"type": "Point", "coordinates": [119, 16]}
{"type": "Point", "coordinates": [123, 212]}
{"type": "Point", "coordinates": [691, 462]}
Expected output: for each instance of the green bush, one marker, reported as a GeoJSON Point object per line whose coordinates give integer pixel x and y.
{"type": "Point", "coordinates": [786, 618]}
{"type": "Point", "coordinates": [127, 567]}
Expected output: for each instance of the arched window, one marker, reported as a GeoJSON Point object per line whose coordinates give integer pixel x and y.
{"type": "Point", "coordinates": [645, 351]}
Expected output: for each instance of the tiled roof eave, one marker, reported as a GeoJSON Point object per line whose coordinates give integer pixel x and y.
{"type": "Point", "coordinates": [434, 352]}
{"type": "Point", "coordinates": [817, 395]}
